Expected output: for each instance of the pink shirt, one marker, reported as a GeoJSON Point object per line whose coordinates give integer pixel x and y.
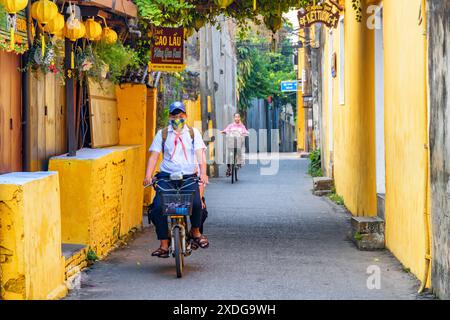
{"type": "Point", "coordinates": [234, 126]}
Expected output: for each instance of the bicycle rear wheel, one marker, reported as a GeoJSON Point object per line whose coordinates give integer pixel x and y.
{"type": "Point", "coordinates": [234, 167]}
{"type": "Point", "coordinates": [179, 257]}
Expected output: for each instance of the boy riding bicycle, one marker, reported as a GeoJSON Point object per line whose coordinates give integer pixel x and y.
{"type": "Point", "coordinates": [183, 152]}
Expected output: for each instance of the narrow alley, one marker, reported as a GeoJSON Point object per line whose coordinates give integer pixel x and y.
{"type": "Point", "coordinates": [270, 239]}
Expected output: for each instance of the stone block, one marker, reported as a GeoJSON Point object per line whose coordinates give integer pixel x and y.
{"type": "Point", "coordinates": [32, 266]}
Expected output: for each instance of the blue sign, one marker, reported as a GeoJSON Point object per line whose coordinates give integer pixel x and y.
{"type": "Point", "coordinates": [289, 86]}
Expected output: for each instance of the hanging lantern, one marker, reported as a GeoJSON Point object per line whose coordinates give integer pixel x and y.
{"type": "Point", "coordinates": [74, 32]}
{"type": "Point", "coordinates": [45, 11]}
{"type": "Point", "coordinates": [254, 5]}
{"type": "Point", "coordinates": [93, 29]}
{"type": "Point", "coordinates": [12, 7]}
{"type": "Point", "coordinates": [109, 36]}
{"type": "Point", "coordinates": [55, 26]}
{"type": "Point", "coordinates": [223, 4]}
{"type": "Point", "coordinates": [34, 6]}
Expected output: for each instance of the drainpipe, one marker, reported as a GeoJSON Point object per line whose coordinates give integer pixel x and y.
{"type": "Point", "coordinates": [26, 128]}
{"type": "Point", "coordinates": [426, 215]}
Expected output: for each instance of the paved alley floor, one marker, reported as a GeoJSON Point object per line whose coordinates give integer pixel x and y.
{"type": "Point", "coordinates": [270, 238]}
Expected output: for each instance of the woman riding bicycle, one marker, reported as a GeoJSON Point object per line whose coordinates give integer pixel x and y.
{"type": "Point", "coordinates": [237, 128]}
{"type": "Point", "coordinates": [183, 152]}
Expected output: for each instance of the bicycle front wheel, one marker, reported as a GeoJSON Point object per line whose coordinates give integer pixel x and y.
{"type": "Point", "coordinates": [178, 251]}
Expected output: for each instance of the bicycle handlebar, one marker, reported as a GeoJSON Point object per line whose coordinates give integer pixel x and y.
{"type": "Point", "coordinates": [155, 184]}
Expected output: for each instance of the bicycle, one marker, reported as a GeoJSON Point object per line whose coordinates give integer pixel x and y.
{"type": "Point", "coordinates": [177, 206]}
{"type": "Point", "coordinates": [235, 142]}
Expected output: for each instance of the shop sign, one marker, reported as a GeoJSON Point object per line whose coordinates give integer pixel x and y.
{"type": "Point", "coordinates": [167, 53]}
{"type": "Point", "coordinates": [326, 13]}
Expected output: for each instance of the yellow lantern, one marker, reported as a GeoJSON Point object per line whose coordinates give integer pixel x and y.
{"type": "Point", "coordinates": [93, 29]}
{"type": "Point", "coordinates": [73, 33]}
{"type": "Point", "coordinates": [45, 11]}
{"type": "Point", "coordinates": [56, 25]}
{"type": "Point", "coordinates": [12, 7]}
{"type": "Point", "coordinates": [223, 4]}
{"type": "Point", "coordinates": [34, 6]}
{"type": "Point", "coordinates": [109, 36]}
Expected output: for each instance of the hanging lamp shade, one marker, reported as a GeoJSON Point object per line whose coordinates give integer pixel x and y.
{"type": "Point", "coordinates": [74, 31]}
{"type": "Point", "coordinates": [45, 11]}
{"type": "Point", "coordinates": [223, 4]}
{"type": "Point", "coordinates": [14, 6]}
{"type": "Point", "coordinates": [93, 29]}
{"type": "Point", "coordinates": [109, 36]}
{"type": "Point", "coordinates": [34, 6]}
{"type": "Point", "coordinates": [56, 25]}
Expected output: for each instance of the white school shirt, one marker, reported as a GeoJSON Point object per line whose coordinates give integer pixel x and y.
{"type": "Point", "coordinates": [178, 161]}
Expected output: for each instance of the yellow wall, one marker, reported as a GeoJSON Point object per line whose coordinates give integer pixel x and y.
{"type": "Point", "coordinates": [300, 110]}
{"type": "Point", "coordinates": [353, 121]}
{"type": "Point", "coordinates": [101, 195]}
{"type": "Point", "coordinates": [405, 125]}
{"type": "Point", "coordinates": [194, 113]}
{"type": "Point", "coordinates": [31, 263]}
{"type": "Point", "coordinates": [151, 132]}
{"type": "Point", "coordinates": [406, 132]}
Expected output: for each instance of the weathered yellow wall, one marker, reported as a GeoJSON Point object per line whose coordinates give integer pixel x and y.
{"type": "Point", "coordinates": [354, 121]}
{"type": "Point", "coordinates": [406, 132]}
{"type": "Point", "coordinates": [300, 110]}
{"type": "Point", "coordinates": [31, 262]}
{"type": "Point", "coordinates": [150, 135]}
{"type": "Point", "coordinates": [194, 113]}
{"type": "Point", "coordinates": [132, 108]}
{"type": "Point", "coordinates": [101, 195]}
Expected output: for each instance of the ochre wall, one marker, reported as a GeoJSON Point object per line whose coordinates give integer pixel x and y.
{"type": "Point", "coordinates": [300, 127]}
{"type": "Point", "coordinates": [194, 113]}
{"type": "Point", "coordinates": [31, 263]}
{"type": "Point", "coordinates": [406, 132]}
{"type": "Point", "coordinates": [354, 121]}
{"type": "Point", "coordinates": [101, 195]}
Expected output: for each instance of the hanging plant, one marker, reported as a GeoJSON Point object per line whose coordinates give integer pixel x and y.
{"type": "Point", "coordinates": [52, 61]}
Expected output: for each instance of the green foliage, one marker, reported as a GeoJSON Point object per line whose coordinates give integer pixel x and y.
{"type": "Point", "coordinates": [91, 255]}
{"type": "Point", "coordinates": [186, 13]}
{"type": "Point", "coordinates": [336, 198]}
{"type": "Point", "coordinates": [117, 57]}
{"type": "Point", "coordinates": [110, 60]}
{"type": "Point", "coordinates": [315, 164]}
{"type": "Point", "coordinates": [357, 236]}
{"type": "Point", "coordinates": [165, 12]}
{"type": "Point", "coordinates": [260, 71]}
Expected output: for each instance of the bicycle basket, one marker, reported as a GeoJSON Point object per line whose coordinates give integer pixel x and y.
{"type": "Point", "coordinates": [177, 204]}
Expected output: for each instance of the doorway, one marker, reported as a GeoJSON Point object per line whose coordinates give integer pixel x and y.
{"type": "Point", "coordinates": [10, 113]}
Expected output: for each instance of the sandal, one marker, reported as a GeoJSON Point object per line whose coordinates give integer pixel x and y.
{"type": "Point", "coordinates": [160, 253]}
{"type": "Point", "coordinates": [201, 242]}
